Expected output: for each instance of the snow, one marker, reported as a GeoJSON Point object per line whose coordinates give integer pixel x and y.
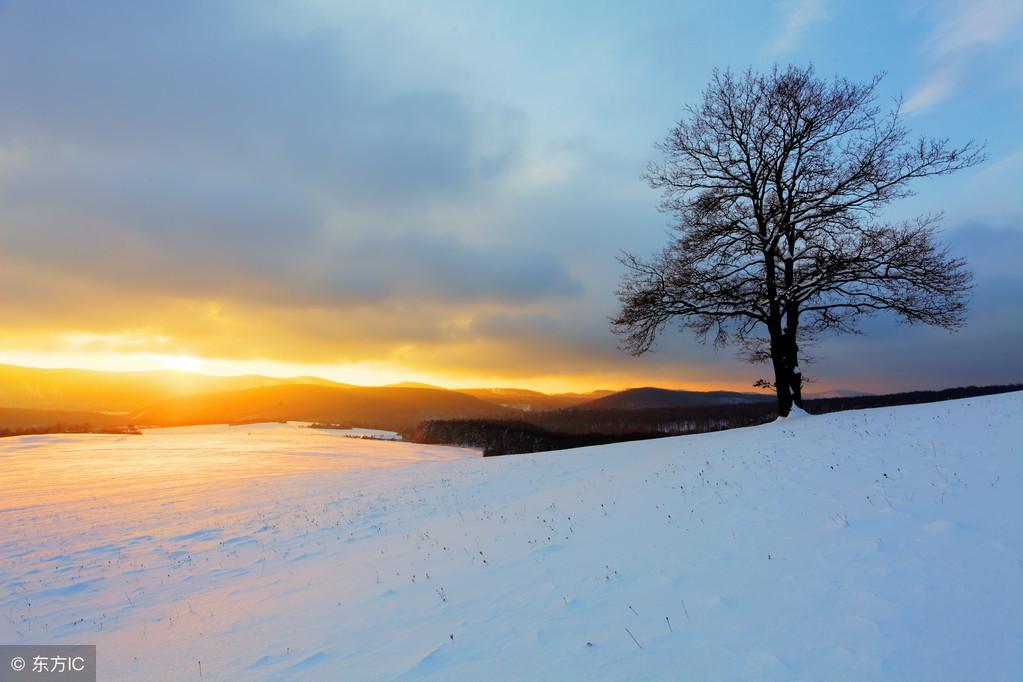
{"type": "Point", "coordinates": [879, 544]}
{"type": "Point", "coordinates": [796, 412]}
{"type": "Point", "coordinates": [378, 434]}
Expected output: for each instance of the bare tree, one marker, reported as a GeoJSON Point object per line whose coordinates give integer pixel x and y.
{"type": "Point", "coordinates": [776, 182]}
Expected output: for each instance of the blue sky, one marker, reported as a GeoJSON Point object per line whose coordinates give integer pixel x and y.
{"type": "Point", "coordinates": [438, 191]}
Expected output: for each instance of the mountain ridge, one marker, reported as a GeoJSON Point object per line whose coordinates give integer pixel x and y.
{"type": "Point", "coordinates": [647, 397]}
{"type": "Point", "coordinates": [385, 407]}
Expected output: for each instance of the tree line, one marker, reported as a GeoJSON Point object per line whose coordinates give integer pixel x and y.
{"type": "Point", "coordinates": [574, 427]}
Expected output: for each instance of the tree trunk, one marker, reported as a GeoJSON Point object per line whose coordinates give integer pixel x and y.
{"type": "Point", "coordinates": [795, 373]}
{"type": "Point", "coordinates": [788, 378]}
{"type": "Point", "coordinates": [782, 378]}
{"type": "Point", "coordinates": [790, 348]}
{"type": "Point", "coordinates": [781, 385]}
{"type": "Point", "coordinates": [792, 353]}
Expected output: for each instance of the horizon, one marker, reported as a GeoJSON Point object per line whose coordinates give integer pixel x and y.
{"type": "Point", "coordinates": [813, 391]}
{"type": "Point", "coordinates": [380, 194]}
{"type": "Point", "coordinates": [496, 387]}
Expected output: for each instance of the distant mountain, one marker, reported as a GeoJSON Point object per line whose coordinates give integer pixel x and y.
{"type": "Point", "coordinates": [132, 393]}
{"type": "Point", "coordinates": [161, 398]}
{"type": "Point", "coordinates": [516, 398]}
{"type": "Point", "coordinates": [837, 393]}
{"type": "Point", "coordinates": [386, 407]}
{"type": "Point", "coordinates": [650, 397]}
{"type": "Point", "coordinates": [97, 391]}
{"type": "Point", "coordinates": [531, 401]}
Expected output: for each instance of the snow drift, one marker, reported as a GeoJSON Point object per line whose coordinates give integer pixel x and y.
{"type": "Point", "coordinates": [880, 544]}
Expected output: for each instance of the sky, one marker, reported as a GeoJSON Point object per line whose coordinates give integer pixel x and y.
{"type": "Point", "coordinates": [388, 191]}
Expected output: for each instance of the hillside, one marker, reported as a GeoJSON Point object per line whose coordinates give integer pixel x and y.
{"type": "Point", "coordinates": [132, 392]}
{"type": "Point", "coordinates": [393, 408]}
{"type": "Point", "coordinates": [15, 418]}
{"type": "Point", "coordinates": [877, 544]}
{"type": "Point", "coordinates": [651, 398]}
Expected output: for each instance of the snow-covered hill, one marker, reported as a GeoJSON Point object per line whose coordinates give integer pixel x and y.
{"type": "Point", "coordinates": [882, 544]}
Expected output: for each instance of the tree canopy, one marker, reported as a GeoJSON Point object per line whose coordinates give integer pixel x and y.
{"type": "Point", "coordinates": [776, 183]}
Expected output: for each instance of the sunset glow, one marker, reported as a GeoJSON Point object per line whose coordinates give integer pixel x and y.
{"type": "Point", "coordinates": [410, 211]}
{"type": "Point", "coordinates": [183, 363]}
{"type": "Point", "coordinates": [359, 374]}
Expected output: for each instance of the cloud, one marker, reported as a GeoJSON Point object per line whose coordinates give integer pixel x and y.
{"type": "Point", "coordinates": [938, 86]}
{"type": "Point", "coordinates": [201, 87]}
{"type": "Point", "coordinates": [798, 18]}
{"type": "Point", "coordinates": [441, 189]}
{"type": "Point", "coordinates": [964, 31]}
{"type": "Point", "coordinates": [201, 84]}
{"type": "Point", "coordinates": [213, 156]}
{"type": "Point", "coordinates": [192, 179]}
{"type": "Point", "coordinates": [1005, 163]}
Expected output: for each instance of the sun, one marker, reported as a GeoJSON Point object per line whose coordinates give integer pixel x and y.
{"type": "Point", "coordinates": [182, 363]}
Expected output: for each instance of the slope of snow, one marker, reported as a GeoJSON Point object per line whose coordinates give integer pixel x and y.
{"type": "Point", "coordinates": [879, 544]}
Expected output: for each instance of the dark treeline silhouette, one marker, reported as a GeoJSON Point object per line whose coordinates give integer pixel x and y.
{"type": "Point", "coordinates": [657, 420]}
{"type": "Point", "coordinates": [578, 427]}
{"type": "Point", "coordinates": [36, 430]}
{"type": "Point", "coordinates": [500, 437]}
{"type": "Point", "coordinates": [553, 430]}
{"type": "Point", "coordinates": [862, 402]}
